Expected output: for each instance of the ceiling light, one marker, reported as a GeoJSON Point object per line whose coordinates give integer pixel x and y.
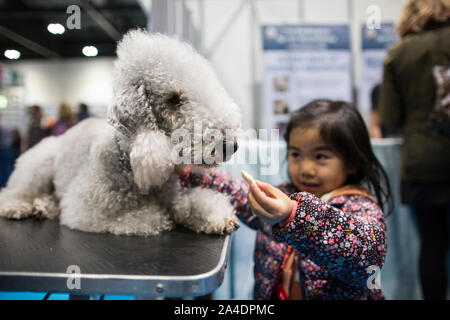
{"type": "Point", "coordinates": [56, 28]}
{"type": "Point", "coordinates": [12, 54]}
{"type": "Point", "coordinates": [90, 51]}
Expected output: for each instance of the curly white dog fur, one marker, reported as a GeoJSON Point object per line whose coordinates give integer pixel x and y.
{"type": "Point", "coordinates": [120, 177]}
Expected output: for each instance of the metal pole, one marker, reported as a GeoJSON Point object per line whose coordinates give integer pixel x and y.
{"type": "Point", "coordinates": [253, 66]}
{"type": "Point", "coordinates": [350, 9]}
{"type": "Point", "coordinates": [43, 51]}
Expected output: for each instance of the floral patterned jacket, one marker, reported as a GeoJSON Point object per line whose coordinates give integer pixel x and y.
{"type": "Point", "coordinates": [337, 241]}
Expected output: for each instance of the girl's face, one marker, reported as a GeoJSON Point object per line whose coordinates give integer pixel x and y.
{"type": "Point", "coordinates": [313, 166]}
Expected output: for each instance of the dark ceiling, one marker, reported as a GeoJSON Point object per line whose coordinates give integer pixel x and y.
{"type": "Point", "coordinates": [23, 26]}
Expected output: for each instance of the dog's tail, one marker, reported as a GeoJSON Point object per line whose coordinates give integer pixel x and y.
{"type": "Point", "coordinates": [29, 191]}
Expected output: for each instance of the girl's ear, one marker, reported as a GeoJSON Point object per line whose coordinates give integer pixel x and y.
{"type": "Point", "coordinates": [352, 169]}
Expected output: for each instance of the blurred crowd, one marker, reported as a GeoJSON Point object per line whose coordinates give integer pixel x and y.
{"type": "Point", "coordinates": [13, 143]}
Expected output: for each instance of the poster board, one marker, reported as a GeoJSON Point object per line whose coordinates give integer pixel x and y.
{"type": "Point", "coordinates": [302, 63]}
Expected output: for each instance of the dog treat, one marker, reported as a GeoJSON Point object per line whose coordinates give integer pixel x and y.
{"type": "Point", "coordinates": [247, 177]}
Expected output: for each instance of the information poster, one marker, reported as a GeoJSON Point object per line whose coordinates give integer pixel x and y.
{"type": "Point", "coordinates": [303, 63]}
{"type": "Point", "coordinates": [375, 44]}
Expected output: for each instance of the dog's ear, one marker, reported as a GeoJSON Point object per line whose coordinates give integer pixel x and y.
{"type": "Point", "coordinates": [121, 120]}
{"type": "Point", "coordinates": [151, 159]}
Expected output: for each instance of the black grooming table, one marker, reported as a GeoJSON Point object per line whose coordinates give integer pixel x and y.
{"type": "Point", "coordinates": [35, 256]}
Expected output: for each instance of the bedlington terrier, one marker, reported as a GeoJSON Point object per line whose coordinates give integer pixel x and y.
{"type": "Point", "coordinates": [119, 175]}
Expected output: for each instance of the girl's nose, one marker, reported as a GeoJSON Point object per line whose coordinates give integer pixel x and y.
{"type": "Point", "coordinates": [308, 170]}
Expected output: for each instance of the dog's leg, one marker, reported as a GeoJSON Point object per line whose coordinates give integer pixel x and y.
{"type": "Point", "coordinates": [148, 220]}
{"type": "Point", "coordinates": [77, 213]}
{"type": "Point", "coordinates": [46, 206]}
{"type": "Point", "coordinates": [91, 206]}
{"type": "Point", "coordinates": [29, 189]}
{"type": "Point", "coordinates": [204, 210]}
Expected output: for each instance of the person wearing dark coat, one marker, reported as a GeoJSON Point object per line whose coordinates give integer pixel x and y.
{"type": "Point", "coordinates": [408, 100]}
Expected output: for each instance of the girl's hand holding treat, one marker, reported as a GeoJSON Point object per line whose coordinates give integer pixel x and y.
{"type": "Point", "coordinates": [268, 202]}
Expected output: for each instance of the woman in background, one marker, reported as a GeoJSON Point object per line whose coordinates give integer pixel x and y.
{"type": "Point", "coordinates": [409, 99]}
{"type": "Point", "coordinates": [66, 119]}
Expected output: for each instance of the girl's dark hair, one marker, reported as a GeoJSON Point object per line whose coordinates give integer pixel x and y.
{"type": "Point", "coordinates": [342, 128]}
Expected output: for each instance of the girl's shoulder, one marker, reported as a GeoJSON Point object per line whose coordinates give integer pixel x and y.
{"type": "Point", "coordinates": [349, 192]}
{"type": "Point", "coordinates": [355, 199]}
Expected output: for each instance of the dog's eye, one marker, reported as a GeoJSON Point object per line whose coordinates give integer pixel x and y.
{"type": "Point", "coordinates": [174, 100]}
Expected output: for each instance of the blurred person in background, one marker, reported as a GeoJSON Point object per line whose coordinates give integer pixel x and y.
{"type": "Point", "coordinates": [374, 117]}
{"type": "Point", "coordinates": [66, 119]}
{"type": "Point", "coordinates": [376, 129]}
{"type": "Point", "coordinates": [5, 153]}
{"type": "Point", "coordinates": [409, 98]}
{"type": "Point", "coordinates": [35, 131]}
{"type": "Point", "coordinates": [16, 145]}
{"type": "Point", "coordinates": [83, 112]}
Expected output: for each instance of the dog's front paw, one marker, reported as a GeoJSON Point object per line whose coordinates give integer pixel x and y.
{"type": "Point", "coordinates": [16, 210]}
{"type": "Point", "coordinates": [226, 226]}
{"type": "Point", "coordinates": [45, 208]}
{"type": "Point", "coordinates": [205, 211]}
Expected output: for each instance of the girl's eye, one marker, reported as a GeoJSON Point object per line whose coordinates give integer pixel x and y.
{"type": "Point", "coordinates": [294, 155]}
{"type": "Point", "coordinates": [321, 156]}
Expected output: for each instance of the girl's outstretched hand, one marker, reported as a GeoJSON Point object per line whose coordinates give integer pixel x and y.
{"type": "Point", "coordinates": [269, 203]}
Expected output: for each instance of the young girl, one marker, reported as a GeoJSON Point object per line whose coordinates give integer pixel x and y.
{"type": "Point", "coordinates": [321, 235]}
